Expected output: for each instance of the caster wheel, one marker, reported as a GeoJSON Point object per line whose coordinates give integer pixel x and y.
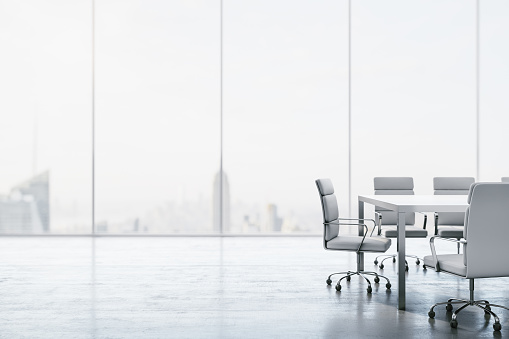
{"type": "Point", "coordinates": [424, 268]}
{"type": "Point", "coordinates": [375, 262]}
{"type": "Point", "coordinates": [370, 289]}
{"type": "Point", "coordinates": [393, 260]}
{"type": "Point", "coordinates": [377, 280]}
{"type": "Point", "coordinates": [388, 285]}
{"type": "Point", "coordinates": [338, 287]}
{"type": "Point", "coordinates": [329, 282]}
{"type": "Point", "coordinates": [454, 323]}
{"type": "Point", "coordinates": [348, 278]}
{"type": "Point", "coordinates": [448, 308]}
{"type": "Point", "coordinates": [381, 266]}
{"type": "Point", "coordinates": [497, 327]}
{"type": "Point", "coordinates": [406, 268]}
{"type": "Point", "coordinates": [431, 314]}
{"type": "Point", "coordinates": [417, 262]}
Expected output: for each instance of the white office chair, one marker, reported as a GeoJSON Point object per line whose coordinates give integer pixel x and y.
{"type": "Point", "coordinates": [333, 240]}
{"type": "Point", "coordinates": [387, 220]}
{"type": "Point", "coordinates": [450, 224]}
{"type": "Point", "coordinates": [486, 231]}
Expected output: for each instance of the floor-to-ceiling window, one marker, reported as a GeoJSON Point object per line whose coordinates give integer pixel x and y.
{"type": "Point", "coordinates": [285, 112]}
{"type": "Point", "coordinates": [494, 86]}
{"type": "Point", "coordinates": [157, 116]}
{"type": "Point", "coordinates": [45, 121]}
{"type": "Point", "coordinates": [413, 91]}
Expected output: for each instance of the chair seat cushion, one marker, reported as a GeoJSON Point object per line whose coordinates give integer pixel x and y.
{"type": "Point", "coordinates": [450, 231]}
{"type": "Point", "coordinates": [410, 232]}
{"type": "Point", "coordinates": [452, 263]}
{"type": "Point", "coordinates": [351, 243]}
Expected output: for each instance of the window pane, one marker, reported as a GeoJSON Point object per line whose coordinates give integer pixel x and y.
{"type": "Point", "coordinates": [494, 85]}
{"type": "Point", "coordinates": [285, 112]}
{"type": "Point", "coordinates": [413, 91]}
{"type": "Point", "coordinates": [157, 115]}
{"type": "Point", "coordinates": [45, 119]}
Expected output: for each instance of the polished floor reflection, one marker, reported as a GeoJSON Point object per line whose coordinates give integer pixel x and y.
{"type": "Point", "coordinates": [267, 287]}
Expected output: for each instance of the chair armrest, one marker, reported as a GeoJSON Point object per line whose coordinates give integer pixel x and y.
{"type": "Point", "coordinates": [436, 223]}
{"type": "Point", "coordinates": [433, 251]}
{"type": "Point", "coordinates": [373, 221]}
{"type": "Point", "coordinates": [352, 224]}
{"type": "Point", "coordinates": [346, 224]}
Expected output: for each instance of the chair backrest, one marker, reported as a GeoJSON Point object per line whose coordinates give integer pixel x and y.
{"type": "Point", "coordinates": [330, 209]}
{"type": "Point", "coordinates": [487, 230]}
{"type": "Point", "coordinates": [452, 186]}
{"type": "Point", "coordinates": [504, 179]}
{"type": "Point", "coordinates": [394, 186]}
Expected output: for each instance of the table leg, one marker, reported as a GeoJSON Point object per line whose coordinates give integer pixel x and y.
{"type": "Point", "coordinates": [401, 261]}
{"type": "Point", "coordinates": [360, 256]}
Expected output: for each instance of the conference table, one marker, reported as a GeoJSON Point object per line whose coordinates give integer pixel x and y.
{"type": "Point", "coordinates": [402, 204]}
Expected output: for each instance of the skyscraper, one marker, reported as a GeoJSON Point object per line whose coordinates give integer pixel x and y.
{"type": "Point", "coordinates": [224, 217]}
{"type": "Point", "coordinates": [274, 222]}
{"type": "Point", "coordinates": [26, 209]}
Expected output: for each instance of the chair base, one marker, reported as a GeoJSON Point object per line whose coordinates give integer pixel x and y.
{"type": "Point", "coordinates": [482, 304]}
{"type": "Point", "coordinates": [393, 256]}
{"type": "Point", "coordinates": [348, 275]}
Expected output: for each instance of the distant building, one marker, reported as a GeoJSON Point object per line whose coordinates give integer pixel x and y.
{"type": "Point", "coordinates": [101, 227]}
{"type": "Point", "coordinates": [274, 222]}
{"type": "Point", "coordinates": [249, 227]}
{"type": "Point", "coordinates": [216, 206]}
{"type": "Point", "coordinates": [26, 209]}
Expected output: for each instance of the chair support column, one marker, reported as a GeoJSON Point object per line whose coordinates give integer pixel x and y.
{"type": "Point", "coordinates": [471, 287]}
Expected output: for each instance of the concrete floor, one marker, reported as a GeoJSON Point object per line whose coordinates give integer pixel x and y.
{"type": "Point", "coordinates": [268, 287]}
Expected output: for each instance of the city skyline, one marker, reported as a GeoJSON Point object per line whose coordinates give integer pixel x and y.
{"type": "Point", "coordinates": [26, 209]}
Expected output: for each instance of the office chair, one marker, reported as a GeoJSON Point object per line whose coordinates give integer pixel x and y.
{"type": "Point", "coordinates": [387, 220]}
{"type": "Point", "coordinates": [334, 240]}
{"type": "Point", "coordinates": [485, 238]}
{"type": "Point", "coordinates": [450, 224]}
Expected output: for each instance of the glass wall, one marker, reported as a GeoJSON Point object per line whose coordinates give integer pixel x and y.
{"type": "Point", "coordinates": [285, 112]}
{"type": "Point", "coordinates": [268, 78]}
{"type": "Point", "coordinates": [494, 86]}
{"type": "Point", "coordinates": [45, 121]}
{"type": "Point", "coordinates": [413, 91]}
{"type": "Point", "coordinates": [157, 116]}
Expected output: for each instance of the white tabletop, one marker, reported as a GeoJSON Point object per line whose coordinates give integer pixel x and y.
{"type": "Point", "coordinates": [418, 203]}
